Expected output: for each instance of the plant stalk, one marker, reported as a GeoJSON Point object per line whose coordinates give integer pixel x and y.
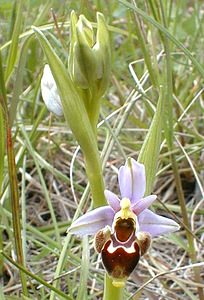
{"type": "Point", "coordinates": [94, 173]}
{"type": "Point", "coordinates": [111, 292]}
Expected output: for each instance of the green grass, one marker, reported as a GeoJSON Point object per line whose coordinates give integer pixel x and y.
{"type": "Point", "coordinates": [47, 187]}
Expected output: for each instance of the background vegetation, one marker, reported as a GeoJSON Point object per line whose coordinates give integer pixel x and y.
{"type": "Point", "coordinates": [154, 43]}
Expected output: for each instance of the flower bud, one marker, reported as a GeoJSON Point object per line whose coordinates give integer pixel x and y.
{"type": "Point", "coordinates": [103, 54]}
{"type": "Point", "coordinates": [89, 57]}
{"type": "Point", "coordinates": [50, 93]}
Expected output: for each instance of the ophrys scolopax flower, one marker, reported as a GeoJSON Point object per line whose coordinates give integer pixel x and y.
{"type": "Point", "coordinates": [123, 230]}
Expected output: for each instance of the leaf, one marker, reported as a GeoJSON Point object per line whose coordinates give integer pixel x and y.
{"type": "Point", "coordinates": [150, 149]}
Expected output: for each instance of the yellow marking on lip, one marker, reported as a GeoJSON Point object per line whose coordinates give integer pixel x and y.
{"type": "Point", "coordinates": [119, 283]}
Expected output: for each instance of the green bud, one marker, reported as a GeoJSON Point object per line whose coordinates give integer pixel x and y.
{"type": "Point", "coordinates": [74, 69]}
{"type": "Point", "coordinates": [85, 29]}
{"type": "Point", "coordinates": [103, 54]}
{"type": "Point", "coordinates": [89, 57]}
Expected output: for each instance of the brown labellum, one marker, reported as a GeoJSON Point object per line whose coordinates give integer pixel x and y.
{"type": "Point", "coordinates": [121, 249]}
{"type": "Point", "coordinates": [120, 261]}
{"type": "Point", "coordinates": [121, 252]}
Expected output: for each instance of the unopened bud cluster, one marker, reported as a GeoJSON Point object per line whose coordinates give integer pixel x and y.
{"type": "Point", "coordinates": [89, 63]}
{"type": "Point", "coordinates": [89, 57]}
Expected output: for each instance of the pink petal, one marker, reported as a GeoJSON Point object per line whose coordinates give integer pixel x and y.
{"type": "Point", "coordinates": [92, 221]}
{"type": "Point", "coordinates": [113, 200]}
{"type": "Point", "coordinates": [125, 182]}
{"type": "Point", "coordinates": [132, 180]}
{"type": "Point", "coordinates": [143, 203]}
{"type": "Point", "coordinates": [155, 224]}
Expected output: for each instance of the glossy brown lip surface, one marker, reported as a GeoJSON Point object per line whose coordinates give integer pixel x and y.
{"type": "Point", "coordinates": [120, 263]}
{"type": "Point", "coordinates": [124, 229]}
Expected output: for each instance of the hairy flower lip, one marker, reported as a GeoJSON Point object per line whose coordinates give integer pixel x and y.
{"type": "Point", "coordinates": [120, 261]}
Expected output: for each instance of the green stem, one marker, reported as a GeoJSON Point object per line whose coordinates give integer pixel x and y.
{"type": "Point", "coordinates": [111, 292]}
{"type": "Point", "coordinates": [94, 173]}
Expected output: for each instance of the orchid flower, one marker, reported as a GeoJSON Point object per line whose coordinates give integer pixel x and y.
{"type": "Point", "coordinates": [124, 228]}
{"type": "Point", "coordinates": [50, 93]}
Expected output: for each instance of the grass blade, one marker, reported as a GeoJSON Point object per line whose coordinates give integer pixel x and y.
{"type": "Point", "coordinates": [13, 50]}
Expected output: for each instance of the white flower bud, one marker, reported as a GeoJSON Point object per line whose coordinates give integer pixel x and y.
{"type": "Point", "coordinates": [50, 93]}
